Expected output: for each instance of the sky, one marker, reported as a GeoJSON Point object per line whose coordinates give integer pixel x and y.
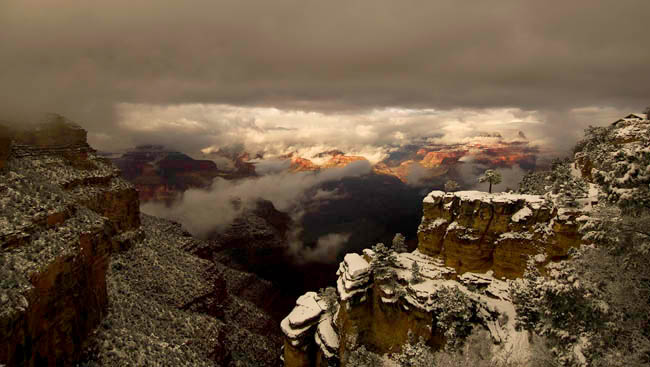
{"type": "Point", "coordinates": [301, 74]}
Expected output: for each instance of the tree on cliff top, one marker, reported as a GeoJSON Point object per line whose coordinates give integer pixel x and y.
{"type": "Point", "coordinates": [492, 177]}
{"type": "Point", "coordinates": [383, 262]}
{"type": "Point", "coordinates": [399, 243]}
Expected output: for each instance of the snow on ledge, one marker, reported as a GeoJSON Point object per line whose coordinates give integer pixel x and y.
{"type": "Point", "coordinates": [500, 197]}
{"type": "Point", "coordinates": [523, 214]}
{"type": "Point", "coordinates": [356, 265]}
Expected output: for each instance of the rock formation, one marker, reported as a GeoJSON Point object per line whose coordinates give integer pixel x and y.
{"type": "Point", "coordinates": [5, 145]}
{"type": "Point", "coordinates": [160, 174]}
{"type": "Point", "coordinates": [469, 242]}
{"type": "Point", "coordinates": [384, 316]}
{"type": "Point", "coordinates": [475, 231]}
{"type": "Point", "coordinates": [63, 210]}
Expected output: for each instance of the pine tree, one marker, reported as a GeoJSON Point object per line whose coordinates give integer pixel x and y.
{"type": "Point", "coordinates": [383, 262]}
{"type": "Point", "coordinates": [492, 177]}
{"type": "Point", "coordinates": [399, 243]}
{"type": "Point", "coordinates": [565, 185]}
{"type": "Point", "coordinates": [416, 277]}
{"type": "Point", "coordinates": [362, 357]}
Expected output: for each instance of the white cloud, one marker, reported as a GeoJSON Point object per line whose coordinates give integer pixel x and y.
{"type": "Point", "coordinates": [371, 133]}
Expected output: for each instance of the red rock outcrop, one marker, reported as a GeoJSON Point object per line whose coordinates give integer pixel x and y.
{"type": "Point", "coordinates": [301, 164]}
{"type": "Point", "coordinates": [341, 160]}
{"type": "Point", "coordinates": [63, 211]}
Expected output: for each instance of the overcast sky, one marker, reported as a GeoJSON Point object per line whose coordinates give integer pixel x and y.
{"type": "Point", "coordinates": [202, 73]}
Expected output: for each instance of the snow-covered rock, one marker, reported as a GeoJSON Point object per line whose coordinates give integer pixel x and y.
{"type": "Point", "coordinates": [477, 231]}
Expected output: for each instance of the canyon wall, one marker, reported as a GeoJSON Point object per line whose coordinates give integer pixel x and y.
{"type": "Point", "coordinates": [63, 210]}
{"type": "Point", "coordinates": [162, 175]}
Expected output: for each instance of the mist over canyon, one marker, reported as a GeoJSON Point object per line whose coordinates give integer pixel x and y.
{"type": "Point", "coordinates": [337, 202]}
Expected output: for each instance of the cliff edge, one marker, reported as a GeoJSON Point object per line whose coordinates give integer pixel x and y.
{"type": "Point", "coordinates": [63, 210]}
{"type": "Point", "coordinates": [477, 232]}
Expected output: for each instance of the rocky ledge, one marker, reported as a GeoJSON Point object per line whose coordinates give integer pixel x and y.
{"type": "Point", "coordinates": [477, 232]}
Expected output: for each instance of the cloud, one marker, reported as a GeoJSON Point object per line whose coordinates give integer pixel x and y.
{"type": "Point", "coordinates": [326, 249]}
{"type": "Point", "coordinates": [271, 166]}
{"type": "Point", "coordinates": [372, 133]}
{"type": "Point", "coordinates": [203, 211]}
{"type": "Point", "coordinates": [328, 195]}
{"type": "Point", "coordinates": [86, 59]}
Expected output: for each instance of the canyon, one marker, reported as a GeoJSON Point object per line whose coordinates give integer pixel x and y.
{"type": "Point", "coordinates": [84, 276]}
{"type": "Point", "coordinates": [483, 262]}
{"type": "Point", "coordinates": [162, 175]}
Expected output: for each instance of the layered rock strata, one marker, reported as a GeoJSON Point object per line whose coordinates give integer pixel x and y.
{"type": "Point", "coordinates": [63, 210]}
{"type": "Point", "coordinates": [476, 231]}
{"type": "Point", "coordinates": [383, 316]}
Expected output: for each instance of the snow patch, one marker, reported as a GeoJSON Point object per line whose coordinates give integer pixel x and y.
{"type": "Point", "coordinates": [523, 214]}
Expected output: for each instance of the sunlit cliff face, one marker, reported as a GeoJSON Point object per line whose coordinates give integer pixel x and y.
{"type": "Point", "coordinates": [435, 161]}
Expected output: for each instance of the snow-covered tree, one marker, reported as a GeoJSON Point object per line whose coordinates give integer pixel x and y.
{"type": "Point", "coordinates": [455, 313]}
{"type": "Point", "coordinates": [565, 185]}
{"type": "Point", "coordinates": [492, 177]}
{"type": "Point", "coordinates": [361, 357]}
{"type": "Point", "coordinates": [451, 186]}
{"type": "Point", "coordinates": [416, 277]}
{"type": "Point", "coordinates": [617, 158]}
{"type": "Point", "coordinates": [414, 353]}
{"type": "Point", "coordinates": [383, 263]}
{"type": "Point", "coordinates": [399, 243]}
{"type": "Point", "coordinates": [534, 183]}
{"type": "Point", "coordinates": [602, 291]}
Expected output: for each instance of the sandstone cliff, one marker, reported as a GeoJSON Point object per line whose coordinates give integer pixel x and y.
{"type": "Point", "coordinates": [383, 317]}
{"type": "Point", "coordinates": [475, 231]}
{"type": "Point", "coordinates": [63, 210]}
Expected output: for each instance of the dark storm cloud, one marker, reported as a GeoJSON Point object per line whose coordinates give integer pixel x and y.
{"type": "Point", "coordinates": [80, 58]}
